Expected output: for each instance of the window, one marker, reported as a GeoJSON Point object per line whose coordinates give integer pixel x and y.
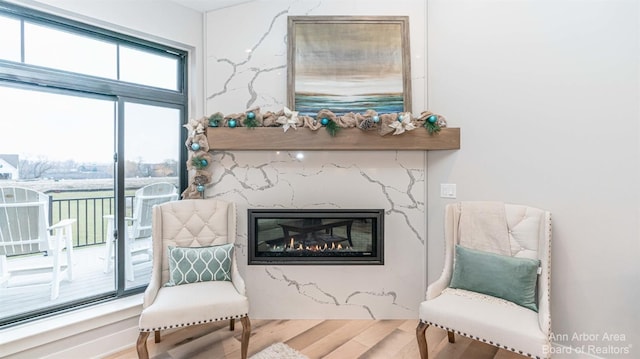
{"type": "Point", "coordinates": [10, 39]}
{"type": "Point", "coordinates": [148, 69]}
{"type": "Point", "coordinates": [92, 124]}
{"type": "Point", "coordinates": [63, 50]}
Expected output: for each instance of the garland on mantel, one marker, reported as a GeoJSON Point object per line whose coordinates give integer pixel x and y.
{"type": "Point", "coordinates": [395, 123]}
{"type": "Point", "coordinates": [198, 145]}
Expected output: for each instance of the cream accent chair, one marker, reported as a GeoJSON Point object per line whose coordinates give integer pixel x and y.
{"type": "Point", "coordinates": [489, 319]}
{"type": "Point", "coordinates": [192, 223]}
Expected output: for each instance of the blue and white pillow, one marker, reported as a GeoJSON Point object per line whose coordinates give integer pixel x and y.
{"type": "Point", "coordinates": [199, 264]}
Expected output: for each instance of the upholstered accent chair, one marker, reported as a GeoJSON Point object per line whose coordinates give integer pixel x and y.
{"type": "Point", "coordinates": [199, 231]}
{"type": "Point", "coordinates": [462, 302]}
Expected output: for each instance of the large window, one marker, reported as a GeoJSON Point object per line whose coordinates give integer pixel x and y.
{"type": "Point", "coordinates": [90, 139]}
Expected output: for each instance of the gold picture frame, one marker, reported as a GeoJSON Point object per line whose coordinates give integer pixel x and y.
{"type": "Point", "coordinates": [348, 64]}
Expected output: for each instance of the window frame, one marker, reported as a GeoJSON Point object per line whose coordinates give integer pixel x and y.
{"type": "Point", "coordinates": [26, 76]}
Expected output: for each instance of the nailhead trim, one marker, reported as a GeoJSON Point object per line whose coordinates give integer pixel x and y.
{"type": "Point", "coordinates": [547, 220]}
{"type": "Point", "coordinates": [194, 323]}
{"type": "Point", "coordinates": [481, 339]}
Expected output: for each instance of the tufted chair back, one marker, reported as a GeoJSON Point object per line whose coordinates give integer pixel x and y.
{"type": "Point", "coordinates": [529, 237]}
{"type": "Point", "coordinates": [482, 317]}
{"type": "Point", "coordinates": [192, 223]}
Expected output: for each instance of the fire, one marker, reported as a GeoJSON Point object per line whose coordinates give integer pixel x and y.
{"type": "Point", "coordinates": [299, 246]}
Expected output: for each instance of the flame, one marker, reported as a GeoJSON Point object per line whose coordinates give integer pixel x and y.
{"type": "Point", "coordinates": [314, 248]}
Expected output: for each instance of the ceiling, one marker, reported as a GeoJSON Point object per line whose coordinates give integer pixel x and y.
{"type": "Point", "coordinates": [208, 5]}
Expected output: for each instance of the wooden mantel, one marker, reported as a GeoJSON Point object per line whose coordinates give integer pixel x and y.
{"type": "Point", "coordinates": [274, 138]}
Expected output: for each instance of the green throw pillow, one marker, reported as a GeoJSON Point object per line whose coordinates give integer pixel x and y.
{"type": "Point", "coordinates": [510, 278]}
{"type": "Point", "coordinates": [199, 264]}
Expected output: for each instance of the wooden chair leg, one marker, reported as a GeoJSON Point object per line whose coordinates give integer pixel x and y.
{"type": "Point", "coordinates": [141, 345]}
{"type": "Point", "coordinates": [452, 338]}
{"type": "Point", "coordinates": [422, 339]}
{"type": "Point", "coordinates": [232, 324]}
{"type": "Point", "coordinates": [246, 333]}
{"type": "Point", "coordinates": [156, 336]}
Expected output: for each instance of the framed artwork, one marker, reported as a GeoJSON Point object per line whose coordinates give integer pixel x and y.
{"type": "Point", "coordinates": [348, 64]}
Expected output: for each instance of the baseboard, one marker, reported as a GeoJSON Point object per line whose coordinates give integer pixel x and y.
{"type": "Point", "coordinates": [87, 333]}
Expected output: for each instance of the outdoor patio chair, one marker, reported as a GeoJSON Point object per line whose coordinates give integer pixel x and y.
{"type": "Point", "coordinates": [138, 241]}
{"type": "Point", "coordinates": [24, 229]}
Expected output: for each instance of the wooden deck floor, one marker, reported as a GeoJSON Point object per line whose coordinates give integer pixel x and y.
{"type": "Point", "coordinates": [89, 279]}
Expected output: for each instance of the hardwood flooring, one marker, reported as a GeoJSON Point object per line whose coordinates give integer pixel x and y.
{"type": "Point", "coordinates": [327, 339]}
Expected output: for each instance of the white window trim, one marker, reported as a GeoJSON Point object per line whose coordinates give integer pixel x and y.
{"type": "Point", "coordinates": [54, 336]}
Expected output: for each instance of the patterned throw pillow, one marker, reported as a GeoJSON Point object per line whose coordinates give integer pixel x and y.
{"type": "Point", "coordinates": [199, 264]}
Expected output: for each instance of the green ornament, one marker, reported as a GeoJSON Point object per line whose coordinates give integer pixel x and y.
{"type": "Point", "coordinates": [432, 128]}
{"type": "Point", "coordinates": [332, 128]}
{"type": "Point", "coordinates": [214, 120]}
{"type": "Point", "coordinates": [199, 162]}
{"type": "Point", "coordinates": [250, 121]}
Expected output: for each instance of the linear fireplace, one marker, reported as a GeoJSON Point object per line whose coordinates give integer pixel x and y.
{"type": "Point", "coordinates": [318, 236]}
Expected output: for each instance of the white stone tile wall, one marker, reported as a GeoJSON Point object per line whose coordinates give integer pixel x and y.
{"type": "Point", "coordinates": [246, 67]}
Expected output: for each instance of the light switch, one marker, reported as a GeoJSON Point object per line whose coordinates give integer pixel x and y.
{"type": "Point", "coordinates": [447, 190]}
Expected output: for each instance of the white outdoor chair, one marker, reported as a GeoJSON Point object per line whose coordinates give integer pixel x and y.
{"type": "Point", "coordinates": [205, 285]}
{"type": "Point", "coordinates": [24, 229]}
{"type": "Point", "coordinates": [477, 312]}
{"type": "Point", "coordinates": [138, 235]}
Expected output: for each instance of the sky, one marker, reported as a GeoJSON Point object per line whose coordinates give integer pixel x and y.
{"type": "Point", "coordinates": [60, 127]}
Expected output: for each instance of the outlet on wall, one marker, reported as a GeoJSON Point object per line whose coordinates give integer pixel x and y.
{"type": "Point", "coordinates": [447, 190]}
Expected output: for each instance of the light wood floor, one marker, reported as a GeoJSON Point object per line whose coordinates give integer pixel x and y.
{"type": "Point", "coordinates": [329, 339]}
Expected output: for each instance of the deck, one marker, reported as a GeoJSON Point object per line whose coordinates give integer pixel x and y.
{"type": "Point", "coordinates": [89, 279]}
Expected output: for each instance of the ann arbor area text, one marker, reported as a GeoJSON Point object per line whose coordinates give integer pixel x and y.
{"type": "Point", "coordinates": [588, 337]}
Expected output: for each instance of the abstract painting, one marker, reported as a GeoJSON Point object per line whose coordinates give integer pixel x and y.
{"type": "Point", "coordinates": [349, 64]}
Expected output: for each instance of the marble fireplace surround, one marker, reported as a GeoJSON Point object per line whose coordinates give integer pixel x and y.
{"type": "Point", "coordinates": [392, 180]}
{"type": "Point", "coordinates": [248, 70]}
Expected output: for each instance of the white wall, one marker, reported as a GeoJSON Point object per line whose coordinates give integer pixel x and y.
{"type": "Point", "coordinates": [547, 96]}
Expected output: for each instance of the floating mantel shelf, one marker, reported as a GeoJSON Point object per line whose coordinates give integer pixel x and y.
{"type": "Point", "coordinates": [274, 138]}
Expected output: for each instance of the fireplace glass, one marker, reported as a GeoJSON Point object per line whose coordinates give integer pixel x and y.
{"type": "Point", "coordinates": [318, 236]}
